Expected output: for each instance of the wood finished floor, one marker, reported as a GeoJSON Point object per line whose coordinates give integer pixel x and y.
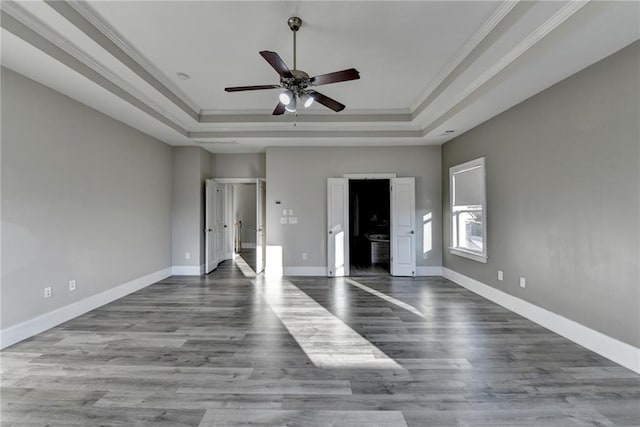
{"type": "Point", "coordinates": [213, 351]}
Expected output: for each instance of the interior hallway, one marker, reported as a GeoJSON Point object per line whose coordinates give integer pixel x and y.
{"type": "Point", "coordinates": [226, 349]}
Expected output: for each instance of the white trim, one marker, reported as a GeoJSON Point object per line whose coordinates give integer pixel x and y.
{"type": "Point", "coordinates": [468, 254]}
{"type": "Point", "coordinates": [248, 245]}
{"type": "Point", "coordinates": [305, 271]}
{"type": "Point", "coordinates": [187, 270]}
{"type": "Point", "coordinates": [456, 101]}
{"type": "Point", "coordinates": [466, 50]}
{"type": "Point", "coordinates": [428, 271]}
{"type": "Point", "coordinates": [238, 180]}
{"type": "Point", "coordinates": [369, 175]}
{"type": "Point", "coordinates": [88, 13]}
{"type": "Point", "coordinates": [25, 17]}
{"type": "Point", "coordinates": [453, 170]}
{"type": "Point", "coordinates": [29, 328]}
{"type": "Point", "coordinates": [606, 346]}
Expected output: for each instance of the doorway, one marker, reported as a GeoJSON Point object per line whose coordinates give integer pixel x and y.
{"type": "Point", "coordinates": [228, 202]}
{"type": "Point", "coordinates": [244, 220]}
{"type": "Point", "coordinates": [402, 222]}
{"type": "Point", "coordinates": [369, 227]}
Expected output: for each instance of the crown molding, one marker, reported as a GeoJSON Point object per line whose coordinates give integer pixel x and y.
{"type": "Point", "coordinates": [306, 118]}
{"type": "Point", "coordinates": [455, 66]}
{"type": "Point", "coordinates": [297, 133]}
{"type": "Point", "coordinates": [527, 43]}
{"type": "Point", "coordinates": [67, 10]}
{"type": "Point", "coordinates": [84, 9]}
{"type": "Point", "coordinates": [24, 25]}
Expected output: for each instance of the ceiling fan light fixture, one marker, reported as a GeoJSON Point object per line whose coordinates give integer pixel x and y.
{"type": "Point", "coordinates": [291, 106]}
{"type": "Point", "coordinates": [286, 96]}
{"type": "Point", "coordinates": [306, 99]}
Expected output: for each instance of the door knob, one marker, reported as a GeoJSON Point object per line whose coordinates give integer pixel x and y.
{"type": "Point", "coordinates": [411, 232]}
{"type": "Point", "coordinates": [225, 226]}
{"type": "Point", "coordinates": [330, 231]}
{"type": "Point", "coordinates": [209, 229]}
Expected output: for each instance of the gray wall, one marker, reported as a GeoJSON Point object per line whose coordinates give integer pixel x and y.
{"type": "Point", "coordinates": [297, 176]}
{"type": "Point", "coordinates": [245, 209]}
{"type": "Point", "coordinates": [563, 176]}
{"type": "Point", "coordinates": [191, 167]}
{"type": "Point", "coordinates": [84, 197]}
{"type": "Point", "coordinates": [239, 165]}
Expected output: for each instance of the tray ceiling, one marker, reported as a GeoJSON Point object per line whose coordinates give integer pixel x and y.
{"type": "Point", "coordinates": [426, 67]}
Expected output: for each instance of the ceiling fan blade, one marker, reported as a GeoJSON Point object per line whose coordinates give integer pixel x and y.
{"type": "Point", "coordinates": [243, 88]}
{"type": "Point", "coordinates": [335, 77]}
{"type": "Point", "coordinates": [326, 101]}
{"type": "Point", "coordinates": [277, 63]}
{"type": "Point", "coordinates": [279, 110]}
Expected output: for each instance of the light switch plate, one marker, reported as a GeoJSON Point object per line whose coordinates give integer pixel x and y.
{"type": "Point", "coordinates": [290, 212]}
{"type": "Point", "coordinates": [72, 285]}
{"type": "Point", "coordinates": [293, 220]}
{"type": "Point", "coordinates": [284, 211]}
{"type": "Point", "coordinates": [283, 220]}
{"type": "Point", "coordinates": [500, 275]}
{"type": "Point", "coordinates": [523, 282]}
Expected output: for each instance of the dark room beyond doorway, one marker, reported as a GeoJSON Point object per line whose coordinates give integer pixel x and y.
{"type": "Point", "coordinates": [369, 219]}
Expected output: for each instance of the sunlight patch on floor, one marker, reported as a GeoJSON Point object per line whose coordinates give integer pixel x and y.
{"type": "Point", "coordinates": [243, 266]}
{"type": "Point", "coordinates": [325, 339]}
{"type": "Point", "coordinates": [385, 297]}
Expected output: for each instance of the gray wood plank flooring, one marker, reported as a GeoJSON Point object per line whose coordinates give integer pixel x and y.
{"type": "Point", "coordinates": [228, 350]}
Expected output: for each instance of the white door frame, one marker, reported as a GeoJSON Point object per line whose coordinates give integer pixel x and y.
{"type": "Point", "coordinates": [372, 176]}
{"type": "Point", "coordinates": [229, 212]}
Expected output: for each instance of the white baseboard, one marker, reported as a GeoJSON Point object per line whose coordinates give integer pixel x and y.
{"type": "Point", "coordinates": [305, 271]}
{"type": "Point", "coordinates": [29, 328]}
{"type": "Point", "coordinates": [187, 270]}
{"type": "Point", "coordinates": [606, 346]}
{"type": "Point", "coordinates": [248, 245]}
{"type": "Point", "coordinates": [428, 271]}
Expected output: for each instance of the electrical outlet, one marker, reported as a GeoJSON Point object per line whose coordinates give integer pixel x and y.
{"type": "Point", "coordinates": [500, 275]}
{"type": "Point", "coordinates": [523, 282]}
{"type": "Point", "coordinates": [48, 292]}
{"type": "Point", "coordinates": [187, 255]}
{"type": "Point", "coordinates": [304, 256]}
{"type": "Point", "coordinates": [72, 285]}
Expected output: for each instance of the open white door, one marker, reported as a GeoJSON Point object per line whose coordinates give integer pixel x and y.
{"type": "Point", "coordinates": [337, 227]}
{"type": "Point", "coordinates": [228, 228]}
{"type": "Point", "coordinates": [261, 248]}
{"type": "Point", "coordinates": [219, 223]}
{"type": "Point", "coordinates": [209, 227]}
{"type": "Point", "coordinates": [403, 226]}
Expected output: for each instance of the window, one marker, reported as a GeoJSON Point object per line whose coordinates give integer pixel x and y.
{"type": "Point", "coordinates": [468, 210]}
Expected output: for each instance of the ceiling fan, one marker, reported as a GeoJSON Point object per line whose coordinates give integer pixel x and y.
{"type": "Point", "coordinates": [296, 83]}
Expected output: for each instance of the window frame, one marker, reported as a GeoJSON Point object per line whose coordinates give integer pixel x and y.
{"type": "Point", "coordinates": [457, 250]}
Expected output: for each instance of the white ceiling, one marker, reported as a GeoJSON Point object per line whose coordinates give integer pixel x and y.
{"type": "Point", "coordinates": [425, 66]}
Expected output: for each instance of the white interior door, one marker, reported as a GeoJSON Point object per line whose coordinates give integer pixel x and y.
{"type": "Point", "coordinates": [219, 222]}
{"type": "Point", "coordinates": [261, 249]}
{"type": "Point", "coordinates": [403, 227]}
{"type": "Point", "coordinates": [228, 227]}
{"type": "Point", "coordinates": [209, 227]}
{"type": "Point", "coordinates": [337, 227]}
